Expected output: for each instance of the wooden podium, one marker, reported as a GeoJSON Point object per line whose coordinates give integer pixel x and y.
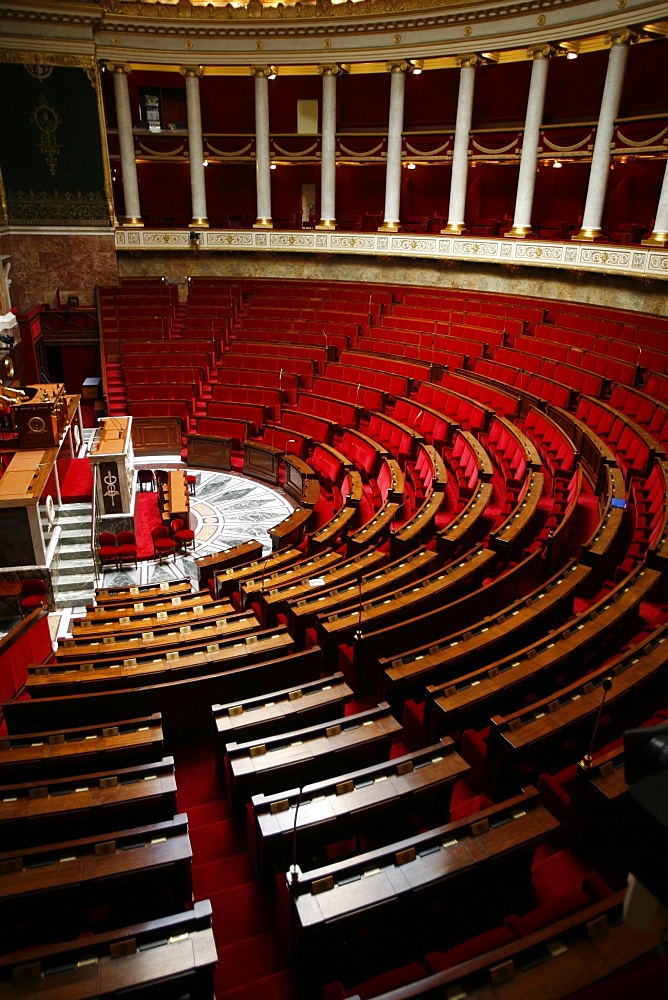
{"type": "Point", "coordinates": [111, 451]}
{"type": "Point", "coordinates": [42, 418]}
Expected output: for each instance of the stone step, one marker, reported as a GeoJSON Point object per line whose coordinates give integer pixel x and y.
{"type": "Point", "coordinates": [78, 581]}
{"type": "Point", "coordinates": [72, 567]}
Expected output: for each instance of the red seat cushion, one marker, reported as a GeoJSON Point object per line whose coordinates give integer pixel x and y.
{"type": "Point", "coordinates": [438, 961]}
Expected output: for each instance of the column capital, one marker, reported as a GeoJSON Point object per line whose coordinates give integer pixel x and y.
{"type": "Point", "coordinates": [333, 69]}
{"type": "Point", "coordinates": [472, 60]}
{"type": "Point", "coordinates": [267, 71]}
{"type": "Point", "coordinates": [541, 52]}
{"type": "Point", "coordinates": [119, 68]}
{"type": "Point", "coordinates": [191, 70]}
{"type": "Point", "coordinates": [402, 66]}
{"type": "Point", "coordinates": [623, 36]}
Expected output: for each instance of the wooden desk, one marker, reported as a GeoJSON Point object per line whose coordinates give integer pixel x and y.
{"type": "Point", "coordinates": [304, 569]}
{"type": "Point", "coordinates": [514, 530]}
{"type": "Point", "coordinates": [570, 954]}
{"type": "Point", "coordinates": [315, 752]}
{"type": "Point", "coordinates": [383, 800]}
{"type": "Point", "coordinates": [184, 702]}
{"type": "Point", "coordinates": [396, 891]}
{"type": "Point", "coordinates": [373, 532]}
{"type": "Point", "coordinates": [534, 614]}
{"type": "Point", "coordinates": [146, 592]}
{"type": "Point", "coordinates": [88, 804]}
{"type": "Point", "coordinates": [501, 684]}
{"type": "Point", "coordinates": [300, 481]}
{"type": "Point", "coordinates": [275, 599]}
{"type": "Point", "coordinates": [541, 728]}
{"type": "Point", "coordinates": [142, 873]}
{"type": "Point", "coordinates": [70, 751]}
{"type": "Point", "coordinates": [195, 611]}
{"type": "Point", "coordinates": [303, 611]}
{"type": "Point", "coordinates": [153, 639]}
{"type": "Point", "coordinates": [277, 712]}
{"type": "Point", "coordinates": [467, 525]}
{"type": "Point", "coordinates": [430, 591]}
{"type": "Point", "coordinates": [135, 671]}
{"type": "Point", "coordinates": [228, 580]}
{"type": "Point", "coordinates": [291, 529]}
{"type": "Point", "coordinates": [262, 461]}
{"type": "Point", "coordinates": [209, 451]}
{"type": "Point", "coordinates": [176, 495]}
{"type": "Point", "coordinates": [218, 562]}
{"type": "Point", "coordinates": [102, 614]}
{"type": "Point", "coordinates": [170, 955]}
{"type": "Point", "coordinates": [333, 531]}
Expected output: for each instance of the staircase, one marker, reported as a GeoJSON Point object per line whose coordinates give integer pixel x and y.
{"type": "Point", "coordinates": [73, 567]}
{"type": "Point", "coordinates": [116, 398]}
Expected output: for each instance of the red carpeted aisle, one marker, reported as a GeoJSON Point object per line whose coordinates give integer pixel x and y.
{"type": "Point", "coordinates": [147, 517]}
{"type": "Point", "coordinates": [77, 487]}
{"type": "Point", "coordinates": [251, 962]}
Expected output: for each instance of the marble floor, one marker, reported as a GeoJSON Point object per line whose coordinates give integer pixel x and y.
{"type": "Point", "coordinates": [227, 509]}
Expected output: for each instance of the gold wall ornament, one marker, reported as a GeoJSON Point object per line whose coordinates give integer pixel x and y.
{"type": "Point", "coordinates": [47, 121]}
{"type": "Point", "coordinates": [39, 71]}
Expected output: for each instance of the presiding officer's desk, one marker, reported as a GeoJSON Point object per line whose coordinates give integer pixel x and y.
{"type": "Point", "coordinates": [408, 891]}
{"type": "Point", "coordinates": [309, 754]}
{"type": "Point", "coordinates": [278, 711]}
{"type": "Point", "coordinates": [69, 751]}
{"type": "Point", "coordinates": [169, 957]}
{"type": "Point", "coordinates": [384, 800]}
{"type": "Point", "coordinates": [46, 893]}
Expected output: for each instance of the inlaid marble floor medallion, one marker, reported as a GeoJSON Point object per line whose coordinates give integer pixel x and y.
{"type": "Point", "coordinates": [226, 510]}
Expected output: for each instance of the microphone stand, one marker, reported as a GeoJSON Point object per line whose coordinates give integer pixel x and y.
{"type": "Point", "coordinates": [586, 761]}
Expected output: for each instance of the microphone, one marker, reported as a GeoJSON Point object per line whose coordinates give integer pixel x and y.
{"type": "Point", "coordinates": [586, 761]}
{"type": "Point", "coordinates": [295, 871]}
{"type": "Point", "coordinates": [358, 630]}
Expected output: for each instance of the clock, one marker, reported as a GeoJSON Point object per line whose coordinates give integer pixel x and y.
{"type": "Point", "coordinates": [36, 425]}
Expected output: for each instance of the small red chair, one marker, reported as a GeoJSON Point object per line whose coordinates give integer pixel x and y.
{"type": "Point", "coordinates": [183, 536]}
{"type": "Point", "coordinates": [33, 595]}
{"type": "Point", "coordinates": [126, 546]}
{"type": "Point", "coordinates": [163, 543]}
{"type": "Point", "coordinates": [107, 553]}
{"type": "Point", "coordinates": [192, 484]}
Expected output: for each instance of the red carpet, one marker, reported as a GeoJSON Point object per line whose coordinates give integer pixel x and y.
{"type": "Point", "coordinates": [147, 517]}
{"type": "Point", "coordinates": [77, 487]}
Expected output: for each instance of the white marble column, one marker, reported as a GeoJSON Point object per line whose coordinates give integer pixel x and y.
{"type": "Point", "coordinates": [328, 148]}
{"type": "Point", "coordinates": [659, 235]}
{"type": "Point", "coordinates": [526, 182]}
{"type": "Point", "coordinates": [262, 160]}
{"type": "Point", "coordinates": [126, 144]}
{"type": "Point", "coordinates": [195, 146]}
{"type": "Point", "coordinates": [600, 161]}
{"type": "Point", "coordinates": [460, 153]}
{"type": "Point", "coordinates": [395, 128]}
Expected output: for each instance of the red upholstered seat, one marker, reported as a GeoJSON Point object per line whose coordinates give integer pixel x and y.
{"type": "Point", "coordinates": [126, 547]}
{"type": "Point", "coordinates": [107, 553]}
{"type": "Point", "coordinates": [163, 543]}
{"type": "Point", "coordinates": [183, 536]}
{"type": "Point", "coordinates": [438, 961]}
{"type": "Point", "coordinates": [33, 595]}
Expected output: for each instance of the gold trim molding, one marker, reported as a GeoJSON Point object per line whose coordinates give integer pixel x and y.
{"type": "Point", "coordinates": [27, 57]}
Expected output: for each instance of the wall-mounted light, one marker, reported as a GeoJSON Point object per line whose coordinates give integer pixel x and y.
{"type": "Point", "coordinates": [416, 66]}
{"type": "Point", "coordinates": [271, 75]}
{"type": "Point", "coordinates": [410, 166]}
{"type": "Point", "coordinates": [571, 55]}
{"type": "Point", "coordinates": [272, 166]}
{"type": "Point", "coordinates": [556, 164]}
{"type": "Point", "coordinates": [205, 163]}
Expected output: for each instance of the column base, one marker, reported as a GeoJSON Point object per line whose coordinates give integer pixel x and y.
{"type": "Point", "coordinates": [132, 223]}
{"type": "Point", "coordinates": [519, 232]}
{"type": "Point", "coordinates": [389, 227]}
{"type": "Point", "coordinates": [263, 224]}
{"type": "Point", "coordinates": [199, 224]}
{"type": "Point", "coordinates": [656, 239]}
{"type": "Point", "coordinates": [588, 236]}
{"type": "Point", "coordinates": [326, 224]}
{"type": "Point", "coordinates": [454, 229]}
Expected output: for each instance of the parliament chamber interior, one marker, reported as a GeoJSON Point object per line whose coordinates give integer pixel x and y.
{"type": "Point", "coordinates": [388, 281]}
